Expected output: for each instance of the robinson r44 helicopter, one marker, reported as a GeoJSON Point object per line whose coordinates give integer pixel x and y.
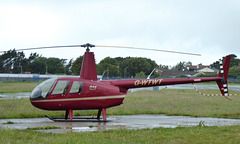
{"type": "Point", "coordinates": [86, 92]}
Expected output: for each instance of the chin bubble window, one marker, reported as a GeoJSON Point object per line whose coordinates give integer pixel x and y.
{"type": "Point", "coordinates": [43, 89]}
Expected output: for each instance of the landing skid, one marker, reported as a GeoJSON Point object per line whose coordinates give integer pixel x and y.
{"type": "Point", "coordinates": [80, 119]}
{"type": "Point", "coordinates": [76, 119]}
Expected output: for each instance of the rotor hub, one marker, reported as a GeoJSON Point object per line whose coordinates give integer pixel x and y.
{"type": "Point", "coordinates": [88, 46]}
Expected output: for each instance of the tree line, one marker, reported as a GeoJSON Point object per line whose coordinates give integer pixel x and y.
{"type": "Point", "coordinates": [119, 66]}
{"type": "Point", "coordinates": [14, 61]}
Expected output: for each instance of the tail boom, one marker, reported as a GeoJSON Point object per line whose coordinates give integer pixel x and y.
{"type": "Point", "coordinates": [221, 80]}
{"type": "Point", "coordinates": [137, 83]}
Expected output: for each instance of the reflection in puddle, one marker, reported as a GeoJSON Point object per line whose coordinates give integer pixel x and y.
{"type": "Point", "coordinates": [84, 129]}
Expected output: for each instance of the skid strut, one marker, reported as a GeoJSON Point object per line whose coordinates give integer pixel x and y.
{"type": "Point", "coordinates": [104, 114]}
{"type": "Point", "coordinates": [69, 113]}
{"type": "Point", "coordinates": [99, 114]}
{"type": "Point", "coordinates": [66, 114]}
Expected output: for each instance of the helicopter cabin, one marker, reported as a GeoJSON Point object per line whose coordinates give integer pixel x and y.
{"type": "Point", "coordinates": [54, 87]}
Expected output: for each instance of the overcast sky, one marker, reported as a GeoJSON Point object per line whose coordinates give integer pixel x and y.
{"type": "Point", "coordinates": [208, 27]}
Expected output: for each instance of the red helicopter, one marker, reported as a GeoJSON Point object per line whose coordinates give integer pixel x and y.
{"type": "Point", "coordinates": [87, 92]}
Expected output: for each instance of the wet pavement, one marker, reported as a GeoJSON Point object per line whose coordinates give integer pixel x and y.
{"type": "Point", "coordinates": [118, 122]}
{"type": "Point", "coordinates": [15, 95]}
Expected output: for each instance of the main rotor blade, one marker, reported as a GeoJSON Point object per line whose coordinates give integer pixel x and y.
{"type": "Point", "coordinates": [90, 46]}
{"type": "Point", "coordinates": [44, 48]}
{"type": "Point", "coordinates": [149, 49]}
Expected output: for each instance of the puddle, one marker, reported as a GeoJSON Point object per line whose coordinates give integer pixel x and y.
{"type": "Point", "coordinates": [84, 129]}
{"type": "Point", "coordinates": [118, 122]}
{"type": "Point", "coordinates": [15, 95]}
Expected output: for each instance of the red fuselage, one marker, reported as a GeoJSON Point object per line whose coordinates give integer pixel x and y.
{"type": "Point", "coordinates": [94, 95]}
{"type": "Point", "coordinates": [97, 94]}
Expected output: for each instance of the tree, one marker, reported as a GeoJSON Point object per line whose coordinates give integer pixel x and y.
{"type": "Point", "coordinates": [180, 66]}
{"type": "Point", "coordinates": [7, 61]}
{"type": "Point", "coordinates": [108, 65]}
{"type": "Point", "coordinates": [132, 65]}
{"type": "Point", "coordinates": [234, 71]}
{"type": "Point", "coordinates": [163, 66]}
{"type": "Point", "coordinates": [38, 66]}
{"type": "Point", "coordinates": [68, 67]}
{"type": "Point", "coordinates": [141, 75]}
{"type": "Point", "coordinates": [128, 66]}
{"type": "Point", "coordinates": [16, 62]}
{"type": "Point", "coordinates": [13, 62]}
{"type": "Point", "coordinates": [42, 65]}
{"type": "Point", "coordinates": [20, 63]}
{"type": "Point", "coordinates": [234, 62]}
{"type": "Point", "coordinates": [76, 66]}
{"type": "Point", "coordinates": [32, 57]}
{"type": "Point", "coordinates": [55, 65]}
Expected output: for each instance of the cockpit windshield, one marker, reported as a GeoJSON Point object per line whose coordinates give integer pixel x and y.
{"type": "Point", "coordinates": [43, 89]}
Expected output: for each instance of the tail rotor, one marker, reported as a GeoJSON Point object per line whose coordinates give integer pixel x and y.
{"type": "Point", "coordinates": [223, 73]}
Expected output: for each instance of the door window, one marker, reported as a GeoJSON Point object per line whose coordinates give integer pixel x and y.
{"type": "Point", "coordinates": [61, 87]}
{"type": "Point", "coordinates": [76, 87]}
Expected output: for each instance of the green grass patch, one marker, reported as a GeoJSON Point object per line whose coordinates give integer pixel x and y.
{"type": "Point", "coordinates": [221, 135]}
{"type": "Point", "coordinates": [44, 128]}
{"type": "Point", "coordinates": [12, 87]}
{"type": "Point", "coordinates": [178, 102]}
{"type": "Point", "coordinates": [9, 122]}
{"type": "Point", "coordinates": [169, 102]}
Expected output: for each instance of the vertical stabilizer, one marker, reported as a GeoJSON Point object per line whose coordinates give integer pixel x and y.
{"type": "Point", "coordinates": [223, 73]}
{"type": "Point", "coordinates": [88, 70]}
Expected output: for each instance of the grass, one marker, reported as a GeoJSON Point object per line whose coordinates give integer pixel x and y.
{"type": "Point", "coordinates": [169, 102]}
{"type": "Point", "coordinates": [44, 128]}
{"type": "Point", "coordinates": [9, 122]}
{"type": "Point", "coordinates": [198, 134]}
{"type": "Point", "coordinates": [178, 102]}
{"type": "Point", "coordinates": [12, 87]}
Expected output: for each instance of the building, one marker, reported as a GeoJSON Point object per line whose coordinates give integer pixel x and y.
{"type": "Point", "coordinates": [190, 71]}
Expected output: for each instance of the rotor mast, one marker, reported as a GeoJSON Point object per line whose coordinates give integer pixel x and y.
{"type": "Point", "coordinates": [88, 45]}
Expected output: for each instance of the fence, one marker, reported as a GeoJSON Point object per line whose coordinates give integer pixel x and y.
{"type": "Point", "coordinates": [29, 77]}
{"type": "Point", "coordinates": [235, 80]}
